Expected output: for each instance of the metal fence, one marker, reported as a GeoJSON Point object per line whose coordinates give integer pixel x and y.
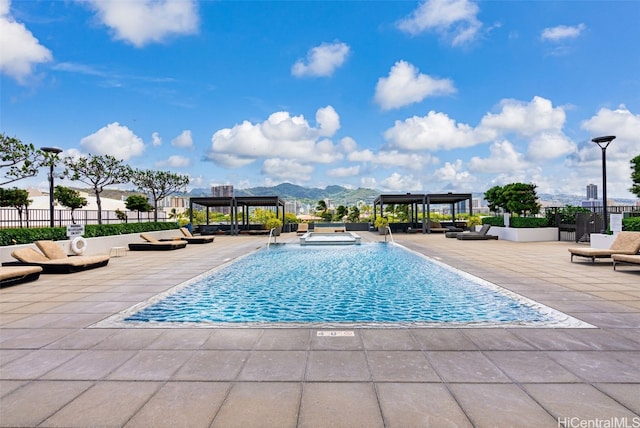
{"type": "Point", "coordinates": [10, 217]}
{"type": "Point", "coordinates": [586, 223]}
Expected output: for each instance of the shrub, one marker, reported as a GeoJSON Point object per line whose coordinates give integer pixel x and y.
{"type": "Point", "coordinates": [30, 235]}
{"type": "Point", "coordinates": [520, 222]}
{"type": "Point", "coordinates": [631, 224]}
{"type": "Point", "coordinates": [493, 221]}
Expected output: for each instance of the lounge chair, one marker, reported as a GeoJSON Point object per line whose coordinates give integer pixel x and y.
{"type": "Point", "coordinates": [54, 259]}
{"type": "Point", "coordinates": [12, 275]}
{"type": "Point", "coordinates": [187, 236]}
{"type": "Point", "coordinates": [152, 244]}
{"type": "Point", "coordinates": [436, 227]}
{"type": "Point", "coordinates": [480, 235]}
{"type": "Point", "coordinates": [303, 228]}
{"type": "Point", "coordinates": [625, 243]}
{"type": "Point", "coordinates": [633, 259]}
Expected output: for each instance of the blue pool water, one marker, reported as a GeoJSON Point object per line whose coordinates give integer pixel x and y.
{"type": "Point", "coordinates": [364, 284]}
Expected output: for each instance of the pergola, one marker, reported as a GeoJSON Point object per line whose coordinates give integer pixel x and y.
{"type": "Point", "coordinates": [425, 200]}
{"type": "Point", "coordinates": [233, 202]}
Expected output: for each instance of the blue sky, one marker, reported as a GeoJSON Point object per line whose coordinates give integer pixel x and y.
{"type": "Point", "coordinates": [401, 96]}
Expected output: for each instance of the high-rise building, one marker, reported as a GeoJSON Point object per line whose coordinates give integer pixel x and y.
{"type": "Point", "coordinates": [592, 191]}
{"type": "Point", "coordinates": [225, 191]}
{"type": "Point", "coordinates": [222, 191]}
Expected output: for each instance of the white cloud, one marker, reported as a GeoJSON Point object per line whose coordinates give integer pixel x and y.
{"type": "Point", "coordinates": [321, 60]}
{"type": "Point", "coordinates": [183, 140]}
{"type": "Point", "coordinates": [453, 173]}
{"type": "Point", "coordinates": [174, 161]}
{"type": "Point", "coordinates": [280, 136]}
{"type": "Point", "coordinates": [328, 121]}
{"type": "Point", "coordinates": [401, 183]}
{"type": "Point", "coordinates": [115, 140]}
{"type": "Point", "coordinates": [405, 85]}
{"type": "Point", "coordinates": [526, 119]}
{"type": "Point", "coordinates": [156, 141]}
{"type": "Point", "coordinates": [503, 158]}
{"type": "Point", "coordinates": [395, 158]}
{"type": "Point", "coordinates": [455, 19]}
{"type": "Point", "coordinates": [436, 131]}
{"type": "Point", "coordinates": [21, 51]}
{"type": "Point", "coordinates": [361, 156]}
{"type": "Point", "coordinates": [147, 21]}
{"type": "Point", "coordinates": [562, 32]}
{"type": "Point", "coordinates": [348, 144]}
{"type": "Point", "coordinates": [287, 169]}
{"type": "Point", "coordinates": [344, 172]}
{"type": "Point", "coordinates": [547, 146]}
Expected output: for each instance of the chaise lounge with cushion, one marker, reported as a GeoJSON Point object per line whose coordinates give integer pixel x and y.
{"type": "Point", "coordinates": [625, 243]}
{"type": "Point", "coordinates": [480, 235]}
{"type": "Point", "coordinates": [54, 259]}
{"type": "Point", "coordinates": [152, 244]}
{"type": "Point", "coordinates": [12, 275]}
{"type": "Point", "coordinates": [187, 236]}
{"type": "Point", "coordinates": [633, 259]}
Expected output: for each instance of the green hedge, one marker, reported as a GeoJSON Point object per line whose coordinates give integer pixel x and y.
{"type": "Point", "coordinates": [30, 235]}
{"type": "Point", "coordinates": [520, 222]}
{"type": "Point", "coordinates": [517, 222]}
{"type": "Point", "coordinates": [631, 224]}
{"type": "Point", "coordinates": [493, 221]}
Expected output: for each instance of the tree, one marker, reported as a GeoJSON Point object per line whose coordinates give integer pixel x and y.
{"type": "Point", "coordinates": [341, 213]}
{"type": "Point", "coordinates": [159, 184]}
{"type": "Point", "coordinates": [16, 198]}
{"type": "Point", "coordinates": [69, 198]}
{"type": "Point", "coordinates": [138, 203]}
{"type": "Point", "coordinates": [635, 176]}
{"type": "Point", "coordinates": [521, 198]}
{"type": "Point", "coordinates": [518, 198]}
{"type": "Point", "coordinates": [494, 198]}
{"type": "Point", "coordinates": [354, 214]}
{"type": "Point", "coordinates": [98, 172]}
{"type": "Point", "coordinates": [18, 160]}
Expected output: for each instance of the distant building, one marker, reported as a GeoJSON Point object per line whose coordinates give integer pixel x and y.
{"type": "Point", "coordinates": [592, 191]}
{"type": "Point", "coordinates": [225, 191]}
{"type": "Point", "coordinates": [222, 191]}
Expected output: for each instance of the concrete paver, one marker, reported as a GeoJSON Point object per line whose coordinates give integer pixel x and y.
{"type": "Point", "coordinates": [56, 369]}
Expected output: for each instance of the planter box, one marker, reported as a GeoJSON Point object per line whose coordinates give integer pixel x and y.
{"type": "Point", "coordinates": [602, 241]}
{"type": "Point", "coordinates": [525, 234]}
{"type": "Point", "coordinates": [100, 245]}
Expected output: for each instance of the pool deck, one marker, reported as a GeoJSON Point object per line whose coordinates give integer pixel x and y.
{"type": "Point", "coordinates": [57, 371]}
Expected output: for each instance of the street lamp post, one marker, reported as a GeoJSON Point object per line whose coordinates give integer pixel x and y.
{"type": "Point", "coordinates": [54, 151]}
{"type": "Point", "coordinates": [604, 142]}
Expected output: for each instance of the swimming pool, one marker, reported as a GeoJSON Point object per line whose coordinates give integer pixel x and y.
{"type": "Point", "coordinates": [381, 285]}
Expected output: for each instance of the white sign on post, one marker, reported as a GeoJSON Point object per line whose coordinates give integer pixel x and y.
{"type": "Point", "coordinates": [75, 230]}
{"type": "Point", "coordinates": [615, 223]}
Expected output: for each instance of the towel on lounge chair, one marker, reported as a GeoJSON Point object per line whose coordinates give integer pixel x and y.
{"type": "Point", "coordinates": [152, 244]}
{"type": "Point", "coordinates": [480, 235]}
{"type": "Point", "coordinates": [625, 243]}
{"type": "Point", "coordinates": [12, 275]}
{"type": "Point", "coordinates": [54, 259]}
{"type": "Point", "coordinates": [187, 236]}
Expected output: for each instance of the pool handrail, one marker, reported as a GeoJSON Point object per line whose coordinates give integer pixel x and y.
{"type": "Point", "coordinates": [271, 233]}
{"type": "Point", "coordinates": [390, 234]}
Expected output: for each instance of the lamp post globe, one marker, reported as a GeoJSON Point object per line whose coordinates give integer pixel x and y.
{"type": "Point", "coordinates": [603, 143]}
{"type": "Point", "coordinates": [54, 151]}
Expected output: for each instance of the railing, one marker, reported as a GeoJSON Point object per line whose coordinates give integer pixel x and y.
{"type": "Point", "coordinates": [390, 235]}
{"type": "Point", "coordinates": [271, 233]}
{"type": "Point", "coordinates": [10, 218]}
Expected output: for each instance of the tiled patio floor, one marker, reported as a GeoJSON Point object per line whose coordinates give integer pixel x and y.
{"type": "Point", "coordinates": [56, 371]}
